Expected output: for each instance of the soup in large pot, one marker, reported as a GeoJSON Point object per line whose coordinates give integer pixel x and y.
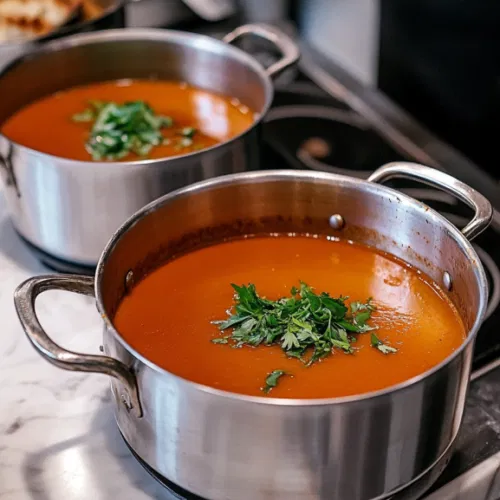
{"type": "Point", "coordinates": [383, 321]}
{"type": "Point", "coordinates": [287, 334]}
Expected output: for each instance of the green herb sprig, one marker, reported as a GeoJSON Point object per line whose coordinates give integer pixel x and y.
{"type": "Point", "coordinates": [383, 348]}
{"type": "Point", "coordinates": [272, 380]}
{"type": "Point", "coordinates": [307, 325]}
{"type": "Point", "coordinates": [133, 127]}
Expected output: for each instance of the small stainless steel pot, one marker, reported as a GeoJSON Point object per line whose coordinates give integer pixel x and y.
{"type": "Point", "coordinates": [70, 209]}
{"type": "Point", "coordinates": [93, 15]}
{"type": "Point", "coordinates": [225, 446]}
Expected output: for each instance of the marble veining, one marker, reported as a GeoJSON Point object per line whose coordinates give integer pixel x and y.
{"type": "Point", "coordinates": [58, 438]}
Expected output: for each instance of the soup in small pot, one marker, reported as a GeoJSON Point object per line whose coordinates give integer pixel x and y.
{"type": "Point", "coordinates": [128, 120]}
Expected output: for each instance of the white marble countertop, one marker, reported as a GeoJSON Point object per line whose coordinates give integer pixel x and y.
{"type": "Point", "coordinates": [58, 438]}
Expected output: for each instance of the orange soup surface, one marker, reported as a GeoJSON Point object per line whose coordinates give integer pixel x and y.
{"type": "Point", "coordinates": [168, 316]}
{"type": "Point", "coordinates": [46, 125]}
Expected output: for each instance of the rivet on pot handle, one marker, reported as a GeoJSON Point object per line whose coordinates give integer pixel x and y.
{"type": "Point", "coordinates": [483, 212]}
{"type": "Point", "coordinates": [24, 299]}
{"type": "Point", "coordinates": [283, 42]}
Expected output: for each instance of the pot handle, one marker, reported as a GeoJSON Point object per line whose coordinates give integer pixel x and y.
{"type": "Point", "coordinates": [283, 42]}
{"type": "Point", "coordinates": [483, 212]}
{"type": "Point", "coordinates": [24, 300]}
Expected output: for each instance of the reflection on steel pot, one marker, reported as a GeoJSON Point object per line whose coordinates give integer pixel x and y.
{"type": "Point", "coordinates": [70, 208]}
{"type": "Point", "coordinates": [225, 446]}
{"type": "Point", "coordinates": [93, 15]}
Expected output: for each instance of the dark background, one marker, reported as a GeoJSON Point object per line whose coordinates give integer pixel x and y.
{"type": "Point", "coordinates": [440, 60]}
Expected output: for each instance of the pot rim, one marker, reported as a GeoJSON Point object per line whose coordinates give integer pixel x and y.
{"type": "Point", "coordinates": [198, 41]}
{"type": "Point", "coordinates": [276, 175]}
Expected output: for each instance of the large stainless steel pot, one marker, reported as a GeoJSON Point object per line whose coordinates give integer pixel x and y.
{"type": "Point", "coordinates": [226, 446]}
{"type": "Point", "coordinates": [69, 208]}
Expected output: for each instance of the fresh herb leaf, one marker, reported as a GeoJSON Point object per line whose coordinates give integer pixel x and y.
{"type": "Point", "coordinates": [188, 132]}
{"type": "Point", "coordinates": [272, 380]}
{"type": "Point", "coordinates": [221, 340]}
{"type": "Point", "coordinates": [87, 115]}
{"type": "Point", "coordinates": [295, 354]}
{"type": "Point", "coordinates": [361, 318]}
{"type": "Point", "coordinates": [304, 322]}
{"type": "Point", "coordinates": [120, 129]}
{"type": "Point", "coordinates": [360, 306]}
{"type": "Point", "coordinates": [166, 121]}
{"type": "Point", "coordinates": [383, 348]}
{"type": "Point", "coordinates": [289, 341]}
{"type": "Point", "coordinates": [97, 105]}
{"type": "Point", "coordinates": [233, 320]}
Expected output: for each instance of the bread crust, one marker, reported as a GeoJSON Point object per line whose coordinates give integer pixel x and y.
{"type": "Point", "coordinates": [26, 19]}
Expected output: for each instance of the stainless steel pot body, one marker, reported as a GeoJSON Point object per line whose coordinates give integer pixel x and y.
{"type": "Point", "coordinates": [70, 209]}
{"type": "Point", "coordinates": [94, 15]}
{"type": "Point", "coordinates": [225, 446]}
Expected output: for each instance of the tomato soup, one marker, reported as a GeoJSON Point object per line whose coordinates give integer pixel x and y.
{"type": "Point", "coordinates": [168, 317]}
{"type": "Point", "coordinates": [55, 124]}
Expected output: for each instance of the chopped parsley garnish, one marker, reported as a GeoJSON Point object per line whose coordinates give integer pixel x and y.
{"type": "Point", "coordinates": [308, 326]}
{"type": "Point", "coordinates": [222, 340]}
{"type": "Point", "coordinates": [272, 380]}
{"type": "Point", "coordinates": [188, 132]}
{"type": "Point", "coordinates": [383, 348]}
{"type": "Point", "coordinates": [132, 127]}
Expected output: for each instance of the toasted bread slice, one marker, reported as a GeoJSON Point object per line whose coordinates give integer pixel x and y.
{"type": "Point", "coordinates": [25, 19]}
